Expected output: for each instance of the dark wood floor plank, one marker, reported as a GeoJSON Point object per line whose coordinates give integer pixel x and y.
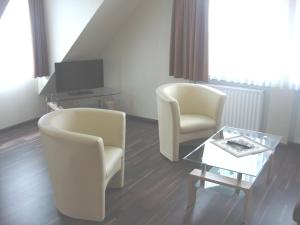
{"type": "Point", "coordinates": [155, 191]}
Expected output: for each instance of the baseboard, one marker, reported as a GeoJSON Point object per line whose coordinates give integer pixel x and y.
{"type": "Point", "coordinates": [142, 119]}
{"type": "Point", "coordinates": [294, 144]}
{"type": "Point", "coordinates": [18, 125]}
{"type": "Point", "coordinates": [36, 119]}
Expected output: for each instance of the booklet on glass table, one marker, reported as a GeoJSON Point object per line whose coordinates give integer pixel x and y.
{"type": "Point", "coordinates": [240, 146]}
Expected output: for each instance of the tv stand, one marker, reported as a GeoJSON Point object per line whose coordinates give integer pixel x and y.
{"type": "Point", "coordinates": [86, 92]}
{"type": "Point", "coordinates": [103, 96]}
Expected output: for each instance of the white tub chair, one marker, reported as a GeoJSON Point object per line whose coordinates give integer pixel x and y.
{"type": "Point", "coordinates": [84, 149]}
{"type": "Point", "coordinates": [185, 112]}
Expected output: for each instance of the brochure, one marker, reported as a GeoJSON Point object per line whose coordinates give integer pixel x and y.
{"type": "Point", "coordinates": [240, 146]}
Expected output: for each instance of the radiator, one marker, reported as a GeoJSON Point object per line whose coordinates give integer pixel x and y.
{"type": "Point", "coordinates": [243, 107]}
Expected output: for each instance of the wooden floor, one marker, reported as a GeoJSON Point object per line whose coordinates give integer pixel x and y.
{"type": "Point", "coordinates": [155, 190]}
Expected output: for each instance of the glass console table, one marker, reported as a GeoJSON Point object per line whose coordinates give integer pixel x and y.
{"type": "Point", "coordinates": [247, 168]}
{"type": "Point", "coordinates": [104, 97]}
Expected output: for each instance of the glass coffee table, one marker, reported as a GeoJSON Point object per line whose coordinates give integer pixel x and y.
{"type": "Point", "coordinates": [210, 156]}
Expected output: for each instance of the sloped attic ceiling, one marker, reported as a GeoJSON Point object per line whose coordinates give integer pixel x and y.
{"type": "Point", "coordinates": [102, 27]}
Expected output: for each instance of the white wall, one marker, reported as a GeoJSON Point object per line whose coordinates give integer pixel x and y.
{"type": "Point", "coordinates": [137, 61]}
{"type": "Point", "coordinates": [294, 134]}
{"type": "Point", "coordinates": [80, 30]}
{"type": "Point", "coordinates": [279, 106]}
{"type": "Point", "coordinates": [20, 103]}
{"type": "Point", "coordinates": [108, 20]}
{"type": "Point", "coordinates": [136, 57]}
{"type": "Point", "coordinates": [65, 20]}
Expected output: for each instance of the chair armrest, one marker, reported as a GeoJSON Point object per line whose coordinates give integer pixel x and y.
{"type": "Point", "coordinates": [169, 124]}
{"type": "Point", "coordinates": [168, 109]}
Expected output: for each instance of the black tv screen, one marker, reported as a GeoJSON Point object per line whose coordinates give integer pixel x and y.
{"type": "Point", "coordinates": [79, 75]}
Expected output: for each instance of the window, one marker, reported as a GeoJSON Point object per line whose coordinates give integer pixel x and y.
{"type": "Point", "coordinates": [16, 55]}
{"type": "Point", "coordinates": [255, 42]}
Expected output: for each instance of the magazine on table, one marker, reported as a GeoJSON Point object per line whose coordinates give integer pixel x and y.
{"type": "Point", "coordinates": [240, 146]}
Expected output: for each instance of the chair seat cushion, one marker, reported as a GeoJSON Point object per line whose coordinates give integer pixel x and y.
{"type": "Point", "coordinates": [192, 123]}
{"type": "Point", "coordinates": [113, 160]}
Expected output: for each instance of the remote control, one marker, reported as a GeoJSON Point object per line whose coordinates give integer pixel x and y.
{"type": "Point", "coordinates": [239, 144]}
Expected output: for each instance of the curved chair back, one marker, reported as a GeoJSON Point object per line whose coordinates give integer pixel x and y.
{"type": "Point", "coordinates": [186, 111]}
{"type": "Point", "coordinates": [74, 144]}
{"type": "Point", "coordinates": [192, 98]}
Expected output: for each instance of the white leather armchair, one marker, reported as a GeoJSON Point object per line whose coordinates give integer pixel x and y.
{"type": "Point", "coordinates": [185, 112]}
{"type": "Point", "coordinates": [84, 150]}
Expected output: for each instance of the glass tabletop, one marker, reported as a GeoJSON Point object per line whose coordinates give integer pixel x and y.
{"type": "Point", "coordinates": [211, 154]}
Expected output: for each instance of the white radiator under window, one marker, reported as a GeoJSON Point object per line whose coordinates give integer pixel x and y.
{"type": "Point", "coordinates": [243, 107]}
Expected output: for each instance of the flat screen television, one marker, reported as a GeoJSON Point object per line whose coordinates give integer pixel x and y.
{"type": "Point", "coordinates": [79, 75]}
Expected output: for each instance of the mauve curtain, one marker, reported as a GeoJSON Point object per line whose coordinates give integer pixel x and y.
{"type": "Point", "coordinates": [189, 40]}
{"type": "Point", "coordinates": [40, 51]}
{"type": "Point", "coordinates": [3, 4]}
